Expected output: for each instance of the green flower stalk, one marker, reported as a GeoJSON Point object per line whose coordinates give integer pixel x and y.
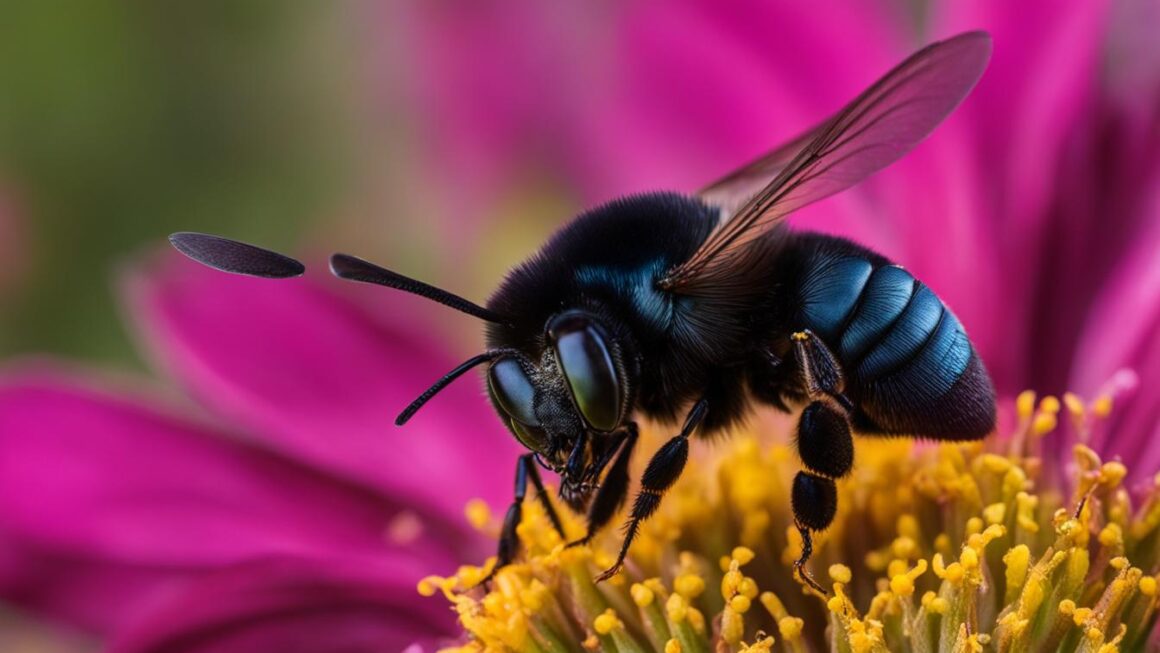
{"type": "Point", "coordinates": [948, 548]}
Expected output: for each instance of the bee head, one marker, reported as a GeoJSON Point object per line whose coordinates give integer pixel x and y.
{"type": "Point", "coordinates": [576, 387]}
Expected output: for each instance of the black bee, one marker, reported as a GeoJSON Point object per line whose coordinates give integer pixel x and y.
{"type": "Point", "coordinates": [673, 306]}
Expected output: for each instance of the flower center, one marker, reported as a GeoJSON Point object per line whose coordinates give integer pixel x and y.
{"type": "Point", "coordinates": [934, 547]}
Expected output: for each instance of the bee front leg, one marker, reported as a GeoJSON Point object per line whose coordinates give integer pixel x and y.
{"type": "Point", "coordinates": [613, 491]}
{"type": "Point", "coordinates": [509, 542]}
{"type": "Point", "coordinates": [662, 471]}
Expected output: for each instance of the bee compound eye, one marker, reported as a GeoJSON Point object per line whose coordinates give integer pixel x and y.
{"type": "Point", "coordinates": [513, 390]}
{"type": "Point", "coordinates": [532, 437]}
{"type": "Point", "coordinates": [588, 366]}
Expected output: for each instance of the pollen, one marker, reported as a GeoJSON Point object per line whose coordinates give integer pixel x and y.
{"type": "Point", "coordinates": [642, 596]}
{"type": "Point", "coordinates": [689, 586]}
{"type": "Point", "coordinates": [1044, 423]}
{"type": "Point", "coordinates": [1025, 403]}
{"type": "Point", "coordinates": [478, 514]}
{"type": "Point", "coordinates": [1074, 405]}
{"type": "Point", "coordinates": [956, 547]}
{"type": "Point", "coordinates": [1102, 406]}
{"type": "Point", "coordinates": [790, 628]}
{"type": "Point", "coordinates": [841, 573]}
{"type": "Point", "coordinates": [1148, 586]}
{"type": "Point", "coordinates": [429, 585]}
{"type": "Point", "coordinates": [903, 584]}
{"type": "Point", "coordinates": [607, 622]}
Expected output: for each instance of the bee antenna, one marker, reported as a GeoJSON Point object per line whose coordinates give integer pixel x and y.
{"type": "Point", "coordinates": [345, 266]}
{"type": "Point", "coordinates": [435, 388]}
{"type": "Point", "coordinates": [235, 257]}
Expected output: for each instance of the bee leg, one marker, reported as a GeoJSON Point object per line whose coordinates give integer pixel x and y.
{"type": "Point", "coordinates": [823, 435]}
{"type": "Point", "coordinates": [814, 501]}
{"type": "Point", "coordinates": [509, 543]}
{"type": "Point", "coordinates": [820, 369]}
{"type": "Point", "coordinates": [613, 491]}
{"type": "Point", "coordinates": [824, 442]}
{"type": "Point", "coordinates": [662, 471]}
{"type": "Point", "coordinates": [542, 495]}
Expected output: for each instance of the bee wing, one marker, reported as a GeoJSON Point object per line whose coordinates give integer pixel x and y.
{"type": "Point", "coordinates": [876, 129]}
{"type": "Point", "coordinates": [730, 192]}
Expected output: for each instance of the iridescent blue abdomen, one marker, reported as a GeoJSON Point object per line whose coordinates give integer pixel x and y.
{"type": "Point", "coordinates": [909, 365]}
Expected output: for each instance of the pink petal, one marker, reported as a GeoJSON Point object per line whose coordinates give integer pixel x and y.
{"type": "Point", "coordinates": [1120, 332]}
{"type": "Point", "coordinates": [1041, 77]}
{"type": "Point", "coordinates": [1027, 115]}
{"type": "Point", "coordinates": [101, 494]}
{"type": "Point", "coordinates": [698, 89]}
{"type": "Point", "coordinates": [311, 375]}
{"type": "Point", "coordinates": [623, 98]}
{"type": "Point", "coordinates": [492, 88]}
{"type": "Point", "coordinates": [76, 591]}
{"type": "Point", "coordinates": [291, 605]}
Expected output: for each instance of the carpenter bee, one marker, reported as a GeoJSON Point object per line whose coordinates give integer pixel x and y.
{"type": "Point", "coordinates": [689, 309]}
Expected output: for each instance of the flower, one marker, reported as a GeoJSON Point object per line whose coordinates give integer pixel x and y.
{"type": "Point", "coordinates": [290, 375]}
{"type": "Point", "coordinates": [283, 489]}
{"type": "Point", "coordinates": [935, 547]}
{"type": "Point", "coordinates": [1033, 211]}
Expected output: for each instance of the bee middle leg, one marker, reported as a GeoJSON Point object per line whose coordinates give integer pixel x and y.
{"type": "Point", "coordinates": [662, 471]}
{"type": "Point", "coordinates": [824, 444]}
{"type": "Point", "coordinates": [509, 542]}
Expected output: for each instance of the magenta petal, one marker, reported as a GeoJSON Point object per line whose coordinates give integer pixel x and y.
{"type": "Point", "coordinates": [697, 89]}
{"type": "Point", "coordinates": [105, 501]}
{"type": "Point", "coordinates": [1120, 333]}
{"type": "Point", "coordinates": [90, 472]}
{"type": "Point", "coordinates": [317, 378]}
{"type": "Point", "coordinates": [290, 606]}
{"type": "Point", "coordinates": [1047, 52]}
{"type": "Point", "coordinates": [90, 594]}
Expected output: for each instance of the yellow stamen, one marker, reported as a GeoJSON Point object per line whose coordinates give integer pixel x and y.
{"type": "Point", "coordinates": [607, 622]}
{"type": "Point", "coordinates": [982, 517]}
{"type": "Point", "coordinates": [478, 513]}
{"type": "Point", "coordinates": [841, 573]}
{"type": "Point", "coordinates": [641, 595]}
{"type": "Point", "coordinates": [1102, 406]}
{"type": "Point", "coordinates": [1025, 403]}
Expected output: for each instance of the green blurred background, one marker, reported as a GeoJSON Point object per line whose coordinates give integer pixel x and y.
{"type": "Point", "coordinates": [121, 122]}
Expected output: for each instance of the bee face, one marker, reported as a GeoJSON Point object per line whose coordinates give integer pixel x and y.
{"type": "Point", "coordinates": [574, 389]}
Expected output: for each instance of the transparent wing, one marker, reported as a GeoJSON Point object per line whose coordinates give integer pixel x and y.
{"type": "Point", "coordinates": [730, 192]}
{"type": "Point", "coordinates": [876, 129]}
